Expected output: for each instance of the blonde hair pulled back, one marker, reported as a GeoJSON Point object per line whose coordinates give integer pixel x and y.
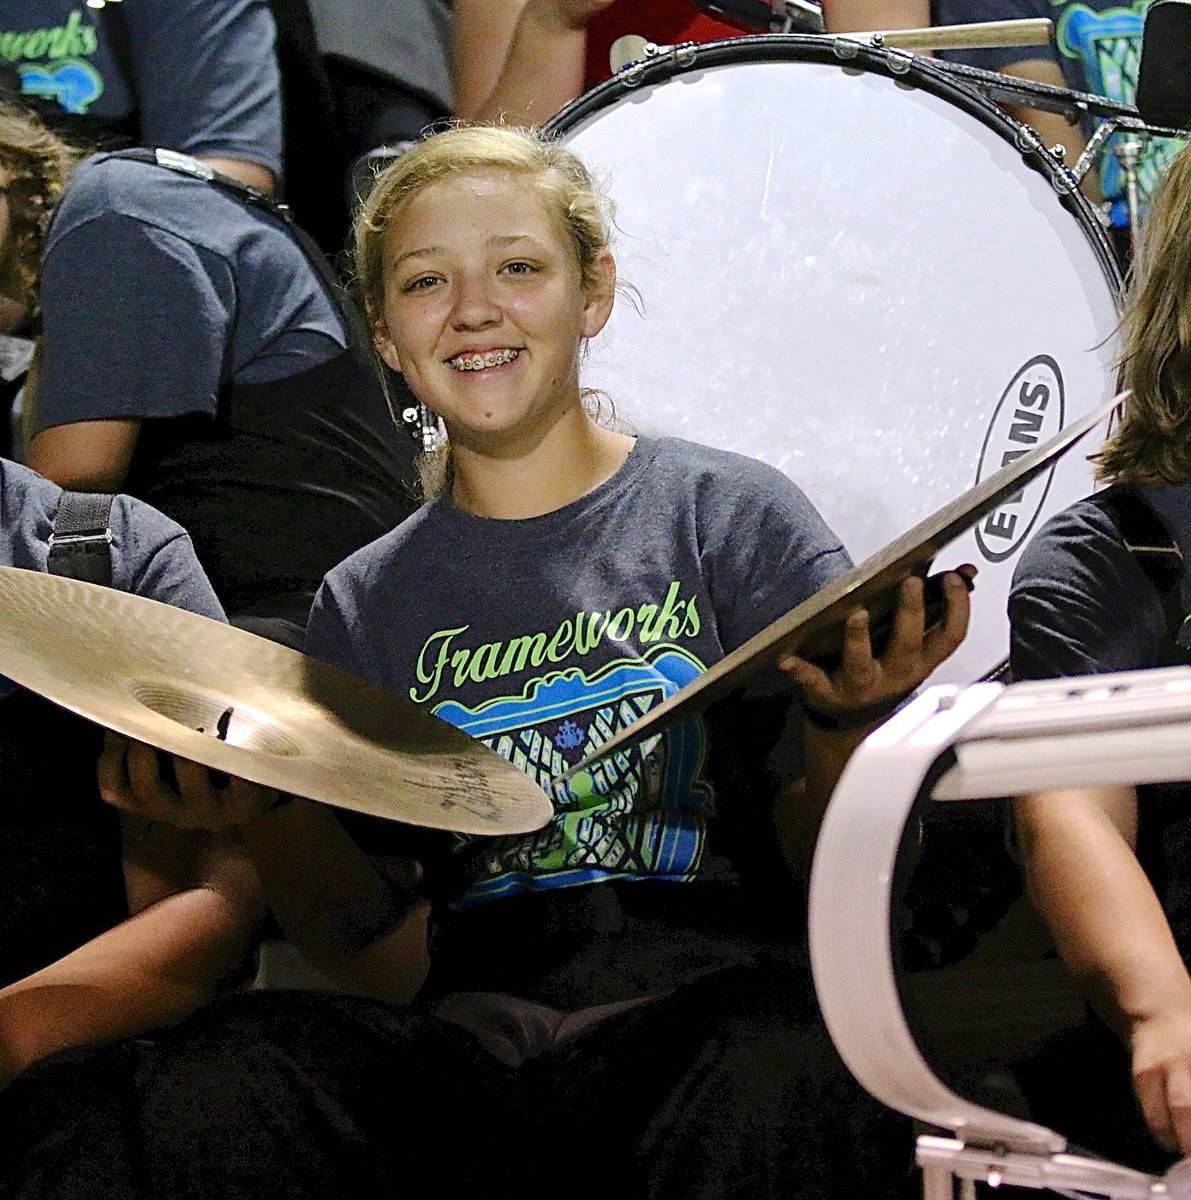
{"type": "Point", "coordinates": [566, 186]}
{"type": "Point", "coordinates": [563, 182]}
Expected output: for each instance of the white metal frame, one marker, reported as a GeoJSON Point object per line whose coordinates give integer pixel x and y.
{"type": "Point", "coordinates": [978, 742]}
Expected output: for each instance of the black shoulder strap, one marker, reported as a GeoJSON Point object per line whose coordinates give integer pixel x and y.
{"type": "Point", "coordinates": [81, 544]}
{"type": "Point", "coordinates": [1154, 549]}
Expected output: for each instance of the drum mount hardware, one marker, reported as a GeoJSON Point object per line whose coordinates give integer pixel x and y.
{"type": "Point", "coordinates": [952, 745]}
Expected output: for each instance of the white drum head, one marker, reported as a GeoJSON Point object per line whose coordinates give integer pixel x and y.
{"type": "Point", "coordinates": [855, 280]}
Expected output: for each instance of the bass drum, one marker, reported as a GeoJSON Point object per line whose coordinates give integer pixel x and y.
{"type": "Point", "coordinates": [856, 269]}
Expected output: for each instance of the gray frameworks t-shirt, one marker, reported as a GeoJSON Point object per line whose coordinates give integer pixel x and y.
{"type": "Point", "coordinates": [542, 637]}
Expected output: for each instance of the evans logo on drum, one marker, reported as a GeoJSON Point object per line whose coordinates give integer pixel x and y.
{"type": "Point", "coordinates": [1029, 412]}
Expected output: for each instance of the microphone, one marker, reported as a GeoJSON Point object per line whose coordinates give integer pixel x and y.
{"type": "Point", "coordinates": [1164, 74]}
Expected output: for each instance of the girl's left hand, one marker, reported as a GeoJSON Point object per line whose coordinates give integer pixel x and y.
{"type": "Point", "coordinates": [864, 683]}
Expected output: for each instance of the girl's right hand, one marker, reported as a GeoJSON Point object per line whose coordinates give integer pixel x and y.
{"type": "Point", "coordinates": [130, 779]}
{"type": "Point", "coordinates": [1161, 1047]}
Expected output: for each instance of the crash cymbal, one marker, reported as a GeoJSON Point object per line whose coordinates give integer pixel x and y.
{"type": "Point", "coordinates": [182, 683]}
{"type": "Point", "coordinates": [815, 626]}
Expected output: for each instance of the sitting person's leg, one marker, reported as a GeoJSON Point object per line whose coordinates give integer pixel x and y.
{"type": "Point", "coordinates": [271, 1095]}
{"type": "Point", "coordinates": [727, 1089]}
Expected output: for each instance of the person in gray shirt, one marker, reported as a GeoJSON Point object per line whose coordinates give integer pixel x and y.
{"type": "Point", "coordinates": [621, 998]}
{"type": "Point", "coordinates": [107, 927]}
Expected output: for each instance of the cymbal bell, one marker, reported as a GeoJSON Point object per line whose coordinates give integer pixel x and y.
{"type": "Point", "coordinates": [246, 706]}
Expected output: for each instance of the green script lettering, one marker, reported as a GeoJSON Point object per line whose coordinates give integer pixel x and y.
{"type": "Point", "coordinates": [562, 643]}
{"type": "Point", "coordinates": [620, 628]}
{"type": "Point", "coordinates": [645, 616]}
{"type": "Point", "coordinates": [669, 622]}
{"type": "Point", "coordinates": [76, 39]}
{"type": "Point", "coordinates": [437, 645]}
{"type": "Point", "coordinates": [522, 650]}
{"type": "Point", "coordinates": [577, 636]}
{"type": "Point", "coordinates": [692, 626]}
{"type": "Point", "coordinates": [587, 641]}
{"type": "Point", "coordinates": [483, 664]}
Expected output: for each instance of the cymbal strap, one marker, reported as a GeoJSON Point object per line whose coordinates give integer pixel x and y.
{"type": "Point", "coordinates": [81, 542]}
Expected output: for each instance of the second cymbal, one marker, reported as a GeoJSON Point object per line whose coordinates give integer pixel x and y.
{"type": "Point", "coordinates": [246, 706]}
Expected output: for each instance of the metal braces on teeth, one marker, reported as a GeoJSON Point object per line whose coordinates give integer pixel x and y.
{"type": "Point", "coordinates": [479, 362]}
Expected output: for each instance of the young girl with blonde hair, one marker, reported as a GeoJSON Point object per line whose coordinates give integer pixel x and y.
{"type": "Point", "coordinates": [619, 1001]}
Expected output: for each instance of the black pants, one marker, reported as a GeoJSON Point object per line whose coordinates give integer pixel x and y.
{"type": "Point", "coordinates": [726, 1089]}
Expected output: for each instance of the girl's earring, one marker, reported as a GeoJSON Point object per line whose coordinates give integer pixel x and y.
{"type": "Point", "coordinates": [433, 431]}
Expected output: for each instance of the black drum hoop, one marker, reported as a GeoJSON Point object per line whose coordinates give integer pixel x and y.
{"type": "Point", "coordinates": [900, 67]}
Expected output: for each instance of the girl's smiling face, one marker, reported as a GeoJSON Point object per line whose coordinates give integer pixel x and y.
{"type": "Point", "coordinates": [484, 307]}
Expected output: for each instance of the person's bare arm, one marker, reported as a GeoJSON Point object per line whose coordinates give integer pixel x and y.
{"type": "Point", "coordinates": [855, 16]}
{"type": "Point", "coordinates": [85, 455]}
{"type": "Point", "coordinates": [251, 173]}
{"type": "Point", "coordinates": [1112, 933]}
{"type": "Point", "coordinates": [483, 33]}
{"type": "Point", "coordinates": [364, 929]}
{"type": "Point", "coordinates": [195, 906]}
{"type": "Point", "coordinates": [519, 61]}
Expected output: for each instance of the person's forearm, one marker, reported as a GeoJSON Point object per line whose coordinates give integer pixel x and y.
{"type": "Point", "coordinates": [252, 173]}
{"type": "Point", "coordinates": [852, 16]}
{"type": "Point", "coordinates": [360, 924]}
{"type": "Point", "coordinates": [799, 807]}
{"type": "Point", "coordinates": [333, 904]}
{"type": "Point", "coordinates": [1107, 922]}
{"type": "Point", "coordinates": [85, 456]}
{"type": "Point", "coordinates": [151, 970]}
{"type": "Point", "coordinates": [542, 72]}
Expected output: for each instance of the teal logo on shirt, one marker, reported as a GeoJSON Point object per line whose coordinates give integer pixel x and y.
{"type": "Point", "coordinates": [52, 61]}
{"type": "Point", "coordinates": [74, 86]}
{"type": "Point", "coordinates": [1108, 44]}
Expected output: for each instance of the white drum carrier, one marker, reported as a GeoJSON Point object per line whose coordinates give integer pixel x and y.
{"type": "Point", "coordinates": [857, 269]}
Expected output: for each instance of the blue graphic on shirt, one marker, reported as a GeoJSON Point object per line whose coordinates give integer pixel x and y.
{"type": "Point", "coordinates": [633, 815]}
{"type": "Point", "coordinates": [73, 84]}
{"type": "Point", "coordinates": [569, 736]}
{"type": "Point", "coordinates": [1108, 45]}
